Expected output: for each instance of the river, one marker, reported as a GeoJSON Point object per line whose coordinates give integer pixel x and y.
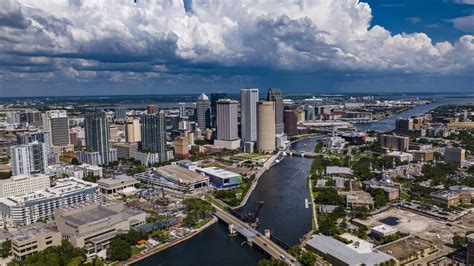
{"type": "Point", "coordinates": [283, 189]}
{"type": "Point", "coordinates": [388, 123]}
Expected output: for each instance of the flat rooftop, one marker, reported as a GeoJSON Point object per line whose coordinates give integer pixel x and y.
{"type": "Point", "coordinates": [117, 180]}
{"type": "Point", "coordinates": [332, 170]}
{"type": "Point", "coordinates": [405, 247]}
{"type": "Point", "coordinates": [355, 254]}
{"type": "Point", "coordinates": [218, 172]}
{"type": "Point", "coordinates": [180, 174]}
{"type": "Point", "coordinates": [90, 216]}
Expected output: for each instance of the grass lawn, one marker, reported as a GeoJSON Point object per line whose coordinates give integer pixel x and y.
{"type": "Point", "coordinates": [136, 250]}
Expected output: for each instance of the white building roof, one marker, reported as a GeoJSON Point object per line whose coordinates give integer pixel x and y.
{"type": "Point", "coordinates": [214, 171]}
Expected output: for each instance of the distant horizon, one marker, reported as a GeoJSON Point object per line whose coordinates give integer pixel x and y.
{"type": "Point", "coordinates": [237, 93]}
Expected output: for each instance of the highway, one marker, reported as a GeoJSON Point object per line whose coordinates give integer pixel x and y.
{"type": "Point", "coordinates": [256, 238]}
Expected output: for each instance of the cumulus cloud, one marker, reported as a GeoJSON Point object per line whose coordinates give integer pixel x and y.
{"type": "Point", "coordinates": [122, 40]}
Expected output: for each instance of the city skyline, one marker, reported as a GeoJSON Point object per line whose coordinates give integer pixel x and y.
{"type": "Point", "coordinates": [143, 47]}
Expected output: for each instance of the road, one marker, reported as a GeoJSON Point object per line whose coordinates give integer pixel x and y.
{"type": "Point", "coordinates": [253, 235]}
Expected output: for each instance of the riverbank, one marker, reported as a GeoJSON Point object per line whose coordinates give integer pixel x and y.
{"type": "Point", "coordinates": [154, 250]}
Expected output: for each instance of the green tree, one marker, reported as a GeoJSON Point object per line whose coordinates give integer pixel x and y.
{"type": "Point", "coordinates": [5, 249]}
{"type": "Point", "coordinates": [307, 259]}
{"type": "Point", "coordinates": [119, 250]}
{"type": "Point", "coordinates": [75, 161]}
{"type": "Point", "coordinates": [459, 241]}
{"type": "Point", "coordinates": [380, 198]}
{"type": "Point", "coordinates": [271, 262]}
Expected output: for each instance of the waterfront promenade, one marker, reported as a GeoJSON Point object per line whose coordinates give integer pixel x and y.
{"type": "Point", "coordinates": [154, 250]}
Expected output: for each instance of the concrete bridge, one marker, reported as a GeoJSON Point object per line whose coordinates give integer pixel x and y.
{"type": "Point", "coordinates": [302, 153]}
{"type": "Point", "coordinates": [255, 238]}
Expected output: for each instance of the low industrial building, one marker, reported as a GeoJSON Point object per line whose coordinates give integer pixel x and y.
{"type": "Point", "coordinates": [92, 226]}
{"type": "Point", "coordinates": [34, 239]}
{"type": "Point", "coordinates": [40, 205]}
{"type": "Point", "coordinates": [221, 178]}
{"type": "Point", "coordinates": [454, 196]}
{"type": "Point", "coordinates": [408, 249]}
{"type": "Point", "coordinates": [382, 231]}
{"type": "Point", "coordinates": [402, 156]}
{"type": "Point", "coordinates": [338, 253]}
{"type": "Point", "coordinates": [355, 199]}
{"type": "Point", "coordinates": [116, 184]}
{"type": "Point", "coordinates": [338, 171]}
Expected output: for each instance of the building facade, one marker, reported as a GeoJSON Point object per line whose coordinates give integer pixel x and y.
{"type": "Point", "coordinates": [132, 130]}
{"type": "Point", "coordinates": [266, 126]}
{"type": "Point", "coordinates": [276, 96]}
{"type": "Point", "coordinates": [40, 205]}
{"type": "Point", "coordinates": [97, 134]}
{"type": "Point", "coordinates": [29, 159]}
{"type": "Point", "coordinates": [154, 134]}
{"type": "Point", "coordinates": [248, 114]}
{"type": "Point", "coordinates": [203, 112]}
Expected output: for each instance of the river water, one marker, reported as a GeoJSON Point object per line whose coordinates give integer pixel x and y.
{"type": "Point", "coordinates": [388, 123]}
{"type": "Point", "coordinates": [283, 189]}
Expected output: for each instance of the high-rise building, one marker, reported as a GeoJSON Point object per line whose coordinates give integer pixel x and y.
{"type": "Point", "coordinates": [276, 96]}
{"type": "Point", "coordinates": [203, 112]}
{"type": "Point", "coordinates": [182, 109]}
{"type": "Point", "coordinates": [153, 133]}
{"type": "Point", "coordinates": [29, 159]}
{"type": "Point", "coordinates": [248, 114]}
{"type": "Point", "coordinates": [266, 126]}
{"type": "Point", "coordinates": [97, 134]}
{"type": "Point", "coordinates": [216, 96]}
{"type": "Point", "coordinates": [454, 155]}
{"type": "Point", "coordinates": [152, 109]}
{"type": "Point", "coordinates": [393, 142]}
{"type": "Point", "coordinates": [402, 124]}
{"type": "Point", "coordinates": [309, 112]}
{"type": "Point", "coordinates": [227, 129]}
{"type": "Point", "coordinates": [13, 117]}
{"type": "Point", "coordinates": [132, 130]}
{"type": "Point", "coordinates": [119, 114]}
{"type": "Point", "coordinates": [289, 118]}
{"type": "Point", "coordinates": [181, 148]}
{"type": "Point", "coordinates": [33, 117]}
{"type": "Point", "coordinates": [299, 115]}
{"type": "Point", "coordinates": [56, 122]}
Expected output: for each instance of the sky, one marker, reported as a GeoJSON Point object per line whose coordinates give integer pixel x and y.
{"type": "Point", "coordinates": [112, 47]}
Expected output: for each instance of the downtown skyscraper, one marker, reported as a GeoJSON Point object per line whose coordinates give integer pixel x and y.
{"type": "Point", "coordinates": [153, 134]}
{"type": "Point", "coordinates": [248, 118]}
{"type": "Point", "coordinates": [203, 112]}
{"type": "Point", "coordinates": [276, 96]}
{"type": "Point", "coordinates": [97, 134]}
{"type": "Point", "coordinates": [227, 127]}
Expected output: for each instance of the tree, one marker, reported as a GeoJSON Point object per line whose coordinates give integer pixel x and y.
{"type": "Point", "coordinates": [91, 178]}
{"type": "Point", "coordinates": [307, 259]}
{"type": "Point", "coordinates": [75, 161]}
{"type": "Point", "coordinates": [459, 241]}
{"type": "Point", "coordinates": [380, 198]}
{"type": "Point", "coordinates": [5, 249]}
{"type": "Point", "coordinates": [161, 235]}
{"type": "Point", "coordinates": [119, 250]}
{"type": "Point", "coordinates": [271, 262]}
